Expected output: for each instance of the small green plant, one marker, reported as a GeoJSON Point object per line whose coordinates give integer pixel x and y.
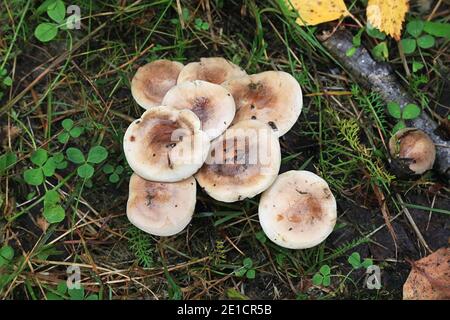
{"type": "Point", "coordinates": [113, 172]}
{"type": "Point", "coordinates": [85, 169]}
{"type": "Point", "coordinates": [6, 258]}
{"type": "Point", "coordinates": [219, 255]}
{"type": "Point", "coordinates": [6, 255]}
{"type": "Point", "coordinates": [416, 37]}
{"type": "Point", "coordinates": [261, 237]}
{"type": "Point", "coordinates": [201, 25]}
{"type": "Point", "coordinates": [356, 43]}
{"type": "Point", "coordinates": [7, 160]}
{"type": "Point", "coordinates": [53, 211]}
{"type": "Point", "coordinates": [246, 269]}
{"type": "Point", "coordinates": [63, 293]}
{"type": "Point", "coordinates": [45, 166]}
{"type": "Point", "coordinates": [233, 294]}
{"type": "Point", "coordinates": [185, 15]}
{"type": "Point", "coordinates": [380, 51]}
{"type": "Point", "coordinates": [323, 277]}
{"type": "Point", "coordinates": [56, 11]}
{"type": "Point", "coordinates": [416, 66]}
{"type": "Point", "coordinates": [355, 260]}
{"type": "Point", "coordinates": [5, 81]}
{"type": "Point", "coordinates": [69, 131]}
{"type": "Point", "coordinates": [140, 244]}
{"type": "Point", "coordinates": [409, 112]}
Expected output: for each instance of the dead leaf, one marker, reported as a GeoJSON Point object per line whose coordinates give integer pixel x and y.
{"type": "Point", "coordinates": [314, 12]}
{"type": "Point", "coordinates": [387, 16]}
{"type": "Point", "coordinates": [8, 133]}
{"type": "Point", "coordinates": [42, 223]}
{"type": "Point", "coordinates": [429, 278]}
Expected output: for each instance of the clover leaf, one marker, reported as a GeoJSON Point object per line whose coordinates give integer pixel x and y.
{"type": "Point", "coordinates": [96, 155]}
{"type": "Point", "coordinates": [69, 131]}
{"type": "Point", "coordinates": [44, 167]}
{"type": "Point", "coordinates": [323, 277]}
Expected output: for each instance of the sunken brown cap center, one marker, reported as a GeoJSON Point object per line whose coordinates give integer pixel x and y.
{"type": "Point", "coordinates": [162, 133]}
{"type": "Point", "coordinates": [306, 210]}
{"type": "Point", "coordinates": [200, 106]}
{"type": "Point", "coordinates": [214, 75]}
{"type": "Point", "coordinates": [233, 160]}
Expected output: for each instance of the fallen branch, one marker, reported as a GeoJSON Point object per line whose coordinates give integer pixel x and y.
{"type": "Point", "coordinates": [379, 77]}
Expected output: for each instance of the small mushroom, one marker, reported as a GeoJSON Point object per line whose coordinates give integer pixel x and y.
{"type": "Point", "coordinates": [166, 144]}
{"type": "Point", "coordinates": [242, 163]}
{"type": "Point", "coordinates": [161, 209]}
{"type": "Point", "coordinates": [273, 97]}
{"type": "Point", "coordinates": [212, 103]}
{"type": "Point", "coordinates": [152, 81]}
{"type": "Point", "coordinates": [412, 151]}
{"type": "Point", "coordinates": [215, 70]}
{"type": "Point", "coordinates": [429, 278]}
{"type": "Point", "coordinates": [298, 211]}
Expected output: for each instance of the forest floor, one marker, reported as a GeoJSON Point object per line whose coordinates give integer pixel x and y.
{"type": "Point", "coordinates": [84, 75]}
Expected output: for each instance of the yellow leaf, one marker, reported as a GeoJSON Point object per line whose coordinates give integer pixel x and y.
{"type": "Point", "coordinates": [312, 12]}
{"type": "Point", "coordinates": [387, 15]}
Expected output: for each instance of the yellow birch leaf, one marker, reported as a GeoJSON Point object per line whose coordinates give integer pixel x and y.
{"type": "Point", "coordinates": [312, 12]}
{"type": "Point", "coordinates": [387, 16]}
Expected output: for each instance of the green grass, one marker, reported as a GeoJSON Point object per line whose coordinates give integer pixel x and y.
{"type": "Point", "coordinates": [84, 75]}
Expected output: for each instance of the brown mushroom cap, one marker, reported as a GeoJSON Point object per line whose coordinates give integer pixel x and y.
{"type": "Point", "coordinates": [212, 103]}
{"type": "Point", "coordinates": [429, 278]}
{"type": "Point", "coordinates": [166, 144]}
{"type": "Point", "coordinates": [273, 97]}
{"type": "Point", "coordinates": [298, 211]}
{"type": "Point", "coordinates": [161, 209]}
{"type": "Point", "coordinates": [242, 163]}
{"type": "Point", "coordinates": [215, 70]}
{"type": "Point", "coordinates": [412, 149]}
{"type": "Point", "coordinates": [152, 81]}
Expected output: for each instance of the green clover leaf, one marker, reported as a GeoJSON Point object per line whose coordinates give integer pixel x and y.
{"type": "Point", "coordinates": [415, 28]}
{"type": "Point", "coordinates": [394, 110]}
{"type": "Point", "coordinates": [39, 157]}
{"type": "Point", "coordinates": [248, 263]}
{"type": "Point", "coordinates": [85, 171]}
{"type": "Point", "coordinates": [97, 154]}
{"type": "Point", "coordinates": [57, 11]}
{"type": "Point", "coordinates": [408, 45]}
{"type": "Point", "coordinates": [410, 111]}
{"type": "Point", "coordinates": [251, 274]}
{"type": "Point", "coordinates": [75, 155]}
{"type": "Point", "coordinates": [54, 213]}
{"type": "Point", "coordinates": [34, 177]}
{"type": "Point", "coordinates": [317, 279]}
{"type": "Point", "coordinates": [46, 31]}
{"type": "Point", "coordinates": [426, 41]}
{"type": "Point", "coordinates": [355, 260]}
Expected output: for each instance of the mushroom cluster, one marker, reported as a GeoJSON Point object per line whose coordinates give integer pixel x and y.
{"type": "Point", "coordinates": [211, 122]}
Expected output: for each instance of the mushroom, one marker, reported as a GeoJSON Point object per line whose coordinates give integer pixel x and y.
{"type": "Point", "coordinates": [215, 70]}
{"type": "Point", "coordinates": [298, 211]}
{"type": "Point", "coordinates": [152, 81]}
{"type": "Point", "coordinates": [212, 103]}
{"type": "Point", "coordinates": [166, 144]}
{"type": "Point", "coordinates": [429, 278]}
{"type": "Point", "coordinates": [242, 163]}
{"type": "Point", "coordinates": [161, 209]}
{"type": "Point", "coordinates": [273, 97]}
{"type": "Point", "coordinates": [412, 151]}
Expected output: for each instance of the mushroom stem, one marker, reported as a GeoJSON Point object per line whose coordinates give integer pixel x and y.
{"type": "Point", "coordinates": [379, 77]}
